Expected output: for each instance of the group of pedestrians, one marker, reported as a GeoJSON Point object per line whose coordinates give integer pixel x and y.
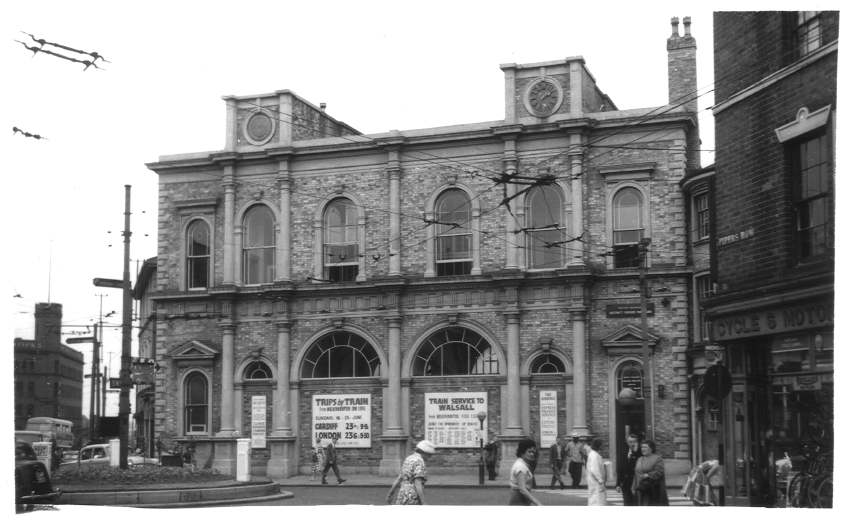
{"type": "Point", "coordinates": [325, 459]}
{"type": "Point", "coordinates": [640, 474]}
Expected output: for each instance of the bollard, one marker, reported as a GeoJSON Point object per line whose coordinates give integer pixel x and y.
{"type": "Point", "coordinates": [114, 452]}
{"type": "Point", "coordinates": [44, 452]}
{"type": "Point", "coordinates": [243, 459]}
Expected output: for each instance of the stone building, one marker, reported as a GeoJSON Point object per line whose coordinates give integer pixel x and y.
{"type": "Point", "coordinates": [48, 374]}
{"type": "Point", "coordinates": [143, 366]}
{"type": "Point", "coordinates": [316, 282]}
{"type": "Point", "coordinates": [769, 301]}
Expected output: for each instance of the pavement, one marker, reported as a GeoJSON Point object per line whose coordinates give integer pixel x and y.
{"type": "Point", "coordinates": [434, 480]}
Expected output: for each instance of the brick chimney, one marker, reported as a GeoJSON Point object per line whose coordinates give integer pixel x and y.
{"type": "Point", "coordinates": [682, 67]}
{"type": "Point", "coordinates": [48, 326]}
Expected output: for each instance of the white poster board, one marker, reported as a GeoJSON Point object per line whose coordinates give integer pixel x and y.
{"type": "Point", "coordinates": [258, 421]}
{"type": "Point", "coordinates": [548, 418]}
{"type": "Point", "coordinates": [451, 418]}
{"type": "Point", "coordinates": [346, 417]}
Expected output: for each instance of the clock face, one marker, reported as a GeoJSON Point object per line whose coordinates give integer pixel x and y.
{"type": "Point", "coordinates": [543, 97]}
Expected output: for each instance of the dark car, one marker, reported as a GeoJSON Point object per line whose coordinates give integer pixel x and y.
{"type": "Point", "coordinates": [32, 481]}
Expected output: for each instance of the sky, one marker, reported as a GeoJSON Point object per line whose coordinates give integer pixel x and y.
{"type": "Point", "coordinates": [379, 66]}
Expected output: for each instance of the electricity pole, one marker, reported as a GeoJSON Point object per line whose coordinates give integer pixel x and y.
{"type": "Point", "coordinates": [127, 312]}
{"type": "Point", "coordinates": [648, 418]}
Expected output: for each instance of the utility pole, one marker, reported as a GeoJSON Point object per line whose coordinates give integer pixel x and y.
{"type": "Point", "coordinates": [104, 385]}
{"type": "Point", "coordinates": [127, 312]}
{"type": "Point", "coordinates": [648, 414]}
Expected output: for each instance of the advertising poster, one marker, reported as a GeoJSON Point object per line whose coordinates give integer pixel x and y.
{"type": "Point", "coordinates": [258, 421]}
{"type": "Point", "coordinates": [346, 417]}
{"type": "Point", "coordinates": [451, 419]}
{"type": "Point", "coordinates": [548, 417]}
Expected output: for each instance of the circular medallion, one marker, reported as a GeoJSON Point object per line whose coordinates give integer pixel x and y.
{"type": "Point", "coordinates": [259, 127]}
{"type": "Point", "coordinates": [543, 97]}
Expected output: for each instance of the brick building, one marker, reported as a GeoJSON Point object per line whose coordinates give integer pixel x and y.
{"type": "Point", "coordinates": [48, 374]}
{"type": "Point", "coordinates": [769, 301]}
{"type": "Point", "coordinates": [313, 282]}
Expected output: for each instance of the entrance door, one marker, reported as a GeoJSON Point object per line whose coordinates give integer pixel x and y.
{"type": "Point", "coordinates": [629, 411]}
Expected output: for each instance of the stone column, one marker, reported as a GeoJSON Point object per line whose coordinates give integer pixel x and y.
{"type": "Point", "coordinates": [394, 175]}
{"type": "Point", "coordinates": [284, 250]}
{"type": "Point", "coordinates": [577, 318]}
{"type": "Point", "coordinates": [576, 157]}
{"type": "Point", "coordinates": [509, 167]}
{"type": "Point", "coordinates": [513, 418]}
{"type": "Point", "coordinates": [394, 439]}
{"type": "Point", "coordinates": [227, 428]}
{"type": "Point", "coordinates": [228, 182]}
{"type": "Point", "coordinates": [282, 461]}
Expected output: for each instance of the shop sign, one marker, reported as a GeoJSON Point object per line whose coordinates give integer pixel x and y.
{"type": "Point", "coordinates": [804, 383]}
{"type": "Point", "coordinates": [451, 418]}
{"type": "Point", "coordinates": [548, 417]}
{"type": "Point", "coordinates": [628, 310]}
{"type": "Point", "coordinates": [258, 421]}
{"type": "Point", "coordinates": [770, 321]}
{"type": "Point", "coordinates": [345, 417]}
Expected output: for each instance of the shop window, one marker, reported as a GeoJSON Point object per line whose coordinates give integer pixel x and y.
{"type": "Point", "coordinates": [196, 403]}
{"type": "Point", "coordinates": [627, 208]}
{"type": "Point", "coordinates": [790, 353]}
{"type": "Point", "coordinates": [257, 370]}
{"type": "Point", "coordinates": [808, 32]}
{"type": "Point", "coordinates": [810, 162]}
{"type": "Point", "coordinates": [341, 245]}
{"type": "Point", "coordinates": [197, 255]}
{"type": "Point", "coordinates": [341, 354]}
{"type": "Point", "coordinates": [630, 375]}
{"type": "Point", "coordinates": [258, 246]}
{"type": "Point", "coordinates": [545, 227]}
{"type": "Point", "coordinates": [453, 212]}
{"type": "Point", "coordinates": [547, 363]}
{"type": "Point", "coordinates": [455, 351]}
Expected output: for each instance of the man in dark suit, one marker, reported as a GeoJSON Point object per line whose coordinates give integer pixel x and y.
{"type": "Point", "coordinates": [330, 462]}
{"type": "Point", "coordinates": [556, 461]}
{"type": "Point", "coordinates": [491, 455]}
{"type": "Point", "coordinates": [626, 470]}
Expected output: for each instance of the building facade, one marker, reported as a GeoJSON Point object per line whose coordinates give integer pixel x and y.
{"type": "Point", "coordinates": [313, 282]}
{"type": "Point", "coordinates": [144, 365]}
{"type": "Point", "coordinates": [769, 301]}
{"type": "Point", "coordinates": [48, 374]}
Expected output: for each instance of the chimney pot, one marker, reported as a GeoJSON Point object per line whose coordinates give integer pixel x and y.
{"type": "Point", "coordinates": [322, 106]}
{"type": "Point", "coordinates": [675, 23]}
{"type": "Point", "coordinates": [687, 22]}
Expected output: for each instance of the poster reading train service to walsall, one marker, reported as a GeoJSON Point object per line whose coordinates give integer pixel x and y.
{"type": "Point", "coordinates": [346, 417]}
{"type": "Point", "coordinates": [451, 419]}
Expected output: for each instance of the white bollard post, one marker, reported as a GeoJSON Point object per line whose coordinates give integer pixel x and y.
{"type": "Point", "coordinates": [114, 452]}
{"type": "Point", "coordinates": [243, 459]}
{"type": "Point", "coordinates": [44, 452]}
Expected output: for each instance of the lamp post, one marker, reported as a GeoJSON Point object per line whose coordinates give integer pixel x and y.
{"type": "Point", "coordinates": [482, 415]}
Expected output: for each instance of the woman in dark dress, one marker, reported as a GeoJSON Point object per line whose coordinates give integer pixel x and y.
{"type": "Point", "coordinates": [650, 485]}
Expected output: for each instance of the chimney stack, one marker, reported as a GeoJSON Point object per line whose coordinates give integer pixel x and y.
{"type": "Point", "coordinates": [682, 67]}
{"type": "Point", "coordinates": [48, 326]}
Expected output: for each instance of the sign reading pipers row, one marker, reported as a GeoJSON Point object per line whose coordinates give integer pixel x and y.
{"type": "Point", "coordinates": [451, 419]}
{"type": "Point", "coordinates": [346, 417]}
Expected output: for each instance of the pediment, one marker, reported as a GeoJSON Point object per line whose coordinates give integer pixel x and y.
{"type": "Point", "coordinates": [194, 350]}
{"type": "Point", "coordinates": [629, 336]}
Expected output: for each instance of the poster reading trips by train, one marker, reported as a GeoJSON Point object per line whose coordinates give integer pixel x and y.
{"type": "Point", "coordinates": [451, 419]}
{"type": "Point", "coordinates": [346, 417]}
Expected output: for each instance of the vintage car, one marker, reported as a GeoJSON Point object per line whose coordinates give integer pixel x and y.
{"type": "Point", "coordinates": [32, 480]}
{"type": "Point", "coordinates": [99, 454]}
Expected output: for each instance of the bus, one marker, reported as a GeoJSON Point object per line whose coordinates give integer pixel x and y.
{"type": "Point", "coordinates": [52, 429]}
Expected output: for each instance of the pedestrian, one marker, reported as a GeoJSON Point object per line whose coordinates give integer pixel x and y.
{"type": "Point", "coordinates": [650, 485]}
{"type": "Point", "coordinates": [556, 461]}
{"type": "Point", "coordinates": [626, 469]}
{"type": "Point", "coordinates": [575, 455]}
{"type": "Point", "coordinates": [521, 475]}
{"type": "Point", "coordinates": [317, 456]}
{"type": "Point", "coordinates": [158, 446]}
{"type": "Point", "coordinates": [409, 487]}
{"type": "Point", "coordinates": [492, 453]}
{"type": "Point", "coordinates": [532, 465]}
{"type": "Point", "coordinates": [331, 462]}
{"type": "Point", "coordinates": [596, 473]}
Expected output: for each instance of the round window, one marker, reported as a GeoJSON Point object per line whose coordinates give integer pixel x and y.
{"type": "Point", "coordinates": [259, 127]}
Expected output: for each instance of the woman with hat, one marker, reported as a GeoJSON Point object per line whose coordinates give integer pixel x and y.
{"type": "Point", "coordinates": [521, 475]}
{"type": "Point", "coordinates": [410, 483]}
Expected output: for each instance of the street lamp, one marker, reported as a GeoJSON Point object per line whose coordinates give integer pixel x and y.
{"type": "Point", "coordinates": [482, 415]}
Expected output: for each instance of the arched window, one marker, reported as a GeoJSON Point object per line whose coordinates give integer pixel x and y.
{"type": "Point", "coordinates": [340, 354]}
{"type": "Point", "coordinates": [455, 351]}
{"type": "Point", "coordinates": [627, 208]}
{"type": "Point", "coordinates": [258, 246]}
{"type": "Point", "coordinates": [545, 228]}
{"type": "Point", "coordinates": [453, 212]}
{"type": "Point", "coordinates": [257, 370]}
{"type": "Point", "coordinates": [198, 255]}
{"type": "Point", "coordinates": [630, 375]}
{"type": "Point", "coordinates": [547, 363]}
{"type": "Point", "coordinates": [195, 403]}
{"type": "Point", "coordinates": [341, 241]}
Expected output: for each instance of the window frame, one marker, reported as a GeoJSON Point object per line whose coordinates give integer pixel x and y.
{"type": "Point", "coordinates": [191, 258]}
{"type": "Point", "coordinates": [351, 224]}
{"type": "Point", "coordinates": [187, 427]}
{"type": "Point", "coordinates": [444, 234]}
{"type": "Point", "coordinates": [641, 216]}
{"type": "Point", "coordinates": [440, 338]}
{"type": "Point", "coordinates": [618, 376]}
{"type": "Point", "coordinates": [263, 249]}
{"type": "Point", "coordinates": [808, 23]}
{"type": "Point", "coordinates": [703, 288]}
{"type": "Point", "coordinates": [701, 216]}
{"type": "Point", "coordinates": [825, 195]}
{"type": "Point", "coordinates": [315, 353]}
{"type": "Point", "coordinates": [561, 227]}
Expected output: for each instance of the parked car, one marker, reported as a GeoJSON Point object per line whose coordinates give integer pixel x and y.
{"type": "Point", "coordinates": [70, 456]}
{"type": "Point", "coordinates": [99, 454]}
{"type": "Point", "coordinates": [32, 480]}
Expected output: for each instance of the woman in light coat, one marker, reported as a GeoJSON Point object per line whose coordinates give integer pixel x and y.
{"type": "Point", "coordinates": [596, 473]}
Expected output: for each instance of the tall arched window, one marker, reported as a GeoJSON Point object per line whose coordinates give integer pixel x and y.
{"type": "Point", "coordinates": [455, 351]}
{"type": "Point", "coordinates": [547, 363]}
{"type": "Point", "coordinates": [545, 228]}
{"type": "Point", "coordinates": [627, 208]}
{"type": "Point", "coordinates": [195, 403]}
{"type": "Point", "coordinates": [340, 354]}
{"type": "Point", "coordinates": [341, 241]}
{"type": "Point", "coordinates": [258, 246]}
{"type": "Point", "coordinates": [453, 212]}
{"type": "Point", "coordinates": [630, 375]}
{"type": "Point", "coordinates": [198, 255]}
